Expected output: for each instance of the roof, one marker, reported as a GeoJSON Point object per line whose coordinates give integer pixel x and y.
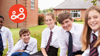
{"type": "Point", "coordinates": [75, 4]}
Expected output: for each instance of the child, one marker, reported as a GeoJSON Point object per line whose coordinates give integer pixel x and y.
{"type": "Point", "coordinates": [5, 34]}
{"type": "Point", "coordinates": [49, 44]}
{"type": "Point", "coordinates": [91, 32]}
{"type": "Point", "coordinates": [25, 44]}
{"type": "Point", "coordinates": [69, 35]}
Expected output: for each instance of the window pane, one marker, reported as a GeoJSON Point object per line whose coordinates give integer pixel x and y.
{"type": "Point", "coordinates": [32, 7]}
{"type": "Point", "coordinates": [75, 13]}
{"type": "Point", "coordinates": [32, 4]}
{"type": "Point", "coordinates": [66, 10]}
{"type": "Point", "coordinates": [72, 14]}
{"type": "Point", "coordinates": [32, 0]}
{"type": "Point", "coordinates": [72, 10]}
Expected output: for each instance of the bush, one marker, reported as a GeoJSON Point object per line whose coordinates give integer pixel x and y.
{"type": "Point", "coordinates": [40, 19]}
{"type": "Point", "coordinates": [56, 18]}
{"type": "Point", "coordinates": [78, 20]}
{"type": "Point", "coordinates": [42, 23]}
{"type": "Point", "coordinates": [82, 20]}
{"type": "Point", "coordinates": [74, 20]}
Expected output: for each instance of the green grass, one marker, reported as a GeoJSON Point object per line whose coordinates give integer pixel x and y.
{"type": "Point", "coordinates": [35, 32]}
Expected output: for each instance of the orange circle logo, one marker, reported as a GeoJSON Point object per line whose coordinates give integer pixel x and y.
{"type": "Point", "coordinates": [17, 13]}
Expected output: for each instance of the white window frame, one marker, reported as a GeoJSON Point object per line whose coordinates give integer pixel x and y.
{"type": "Point", "coordinates": [75, 11]}
{"type": "Point", "coordinates": [32, 4]}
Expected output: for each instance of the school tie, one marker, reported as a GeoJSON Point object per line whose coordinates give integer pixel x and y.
{"type": "Point", "coordinates": [25, 47]}
{"type": "Point", "coordinates": [93, 50]}
{"type": "Point", "coordinates": [70, 45]}
{"type": "Point", "coordinates": [48, 44]}
{"type": "Point", "coordinates": [1, 44]}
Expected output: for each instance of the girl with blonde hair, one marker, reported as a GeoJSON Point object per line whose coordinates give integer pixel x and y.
{"type": "Point", "coordinates": [91, 32]}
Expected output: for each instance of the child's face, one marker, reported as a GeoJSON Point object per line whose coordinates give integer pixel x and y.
{"type": "Point", "coordinates": [1, 22]}
{"type": "Point", "coordinates": [67, 24]}
{"type": "Point", "coordinates": [50, 21]}
{"type": "Point", "coordinates": [94, 20]}
{"type": "Point", "coordinates": [25, 37]}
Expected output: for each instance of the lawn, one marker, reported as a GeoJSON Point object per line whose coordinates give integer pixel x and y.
{"type": "Point", "coordinates": [35, 32]}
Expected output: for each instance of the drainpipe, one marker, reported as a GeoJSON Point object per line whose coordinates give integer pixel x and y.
{"type": "Point", "coordinates": [17, 3]}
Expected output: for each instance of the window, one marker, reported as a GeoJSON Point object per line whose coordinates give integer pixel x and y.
{"type": "Point", "coordinates": [75, 13]}
{"type": "Point", "coordinates": [32, 4]}
{"type": "Point", "coordinates": [64, 10]}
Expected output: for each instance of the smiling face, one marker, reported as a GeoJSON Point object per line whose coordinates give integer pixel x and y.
{"type": "Point", "coordinates": [50, 21]}
{"type": "Point", "coordinates": [25, 37]}
{"type": "Point", "coordinates": [94, 20]}
{"type": "Point", "coordinates": [67, 24]}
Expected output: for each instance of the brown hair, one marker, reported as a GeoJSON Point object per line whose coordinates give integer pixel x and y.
{"type": "Point", "coordinates": [87, 30]}
{"type": "Point", "coordinates": [52, 15]}
{"type": "Point", "coordinates": [23, 30]}
{"type": "Point", "coordinates": [63, 16]}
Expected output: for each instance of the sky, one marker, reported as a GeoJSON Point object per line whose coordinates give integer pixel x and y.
{"type": "Point", "coordinates": [45, 4]}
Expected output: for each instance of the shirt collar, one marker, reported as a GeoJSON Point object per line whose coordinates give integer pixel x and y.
{"type": "Point", "coordinates": [53, 30]}
{"type": "Point", "coordinates": [72, 29]}
{"type": "Point", "coordinates": [1, 29]}
{"type": "Point", "coordinates": [27, 43]}
{"type": "Point", "coordinates": [96, 33]}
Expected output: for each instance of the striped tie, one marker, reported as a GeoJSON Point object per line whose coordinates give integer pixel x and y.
{"type": "Point", "coordinates": [1, 44]}
{"type": "Point", "coordinates": [93, 50]}
{"type": "Point", "coordinates": [48, 44]}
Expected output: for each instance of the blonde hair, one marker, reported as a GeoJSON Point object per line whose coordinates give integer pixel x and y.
{"type": "Point", "coordinates": [87, 30]}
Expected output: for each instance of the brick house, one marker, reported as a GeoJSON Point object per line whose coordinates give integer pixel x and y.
{"type": "Point", "coordinates": [32, 13]}
{"type": "Point", "coordinates": [77, 8]}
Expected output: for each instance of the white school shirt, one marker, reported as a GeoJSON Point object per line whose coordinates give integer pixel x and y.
{"type": "Point", "coordinates": [20, 45]}
{"type": "Point", "coordinates": [6, 34]}
{"type": "Point", "coordinates": [46, 35]}
{"type": "Point", "coordinates": [87, 51]}
{"type": "Point", "coordinates": [76, 32]}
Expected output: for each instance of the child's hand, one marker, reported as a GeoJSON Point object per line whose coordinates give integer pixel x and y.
{"type": "Point", "coordinates": [46, 55]}
{"type": "Point", "coordinates": [20, 51]}
{"type": "Point", "coordinates": [77, 55]}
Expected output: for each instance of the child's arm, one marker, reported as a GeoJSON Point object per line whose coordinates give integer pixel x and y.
{"type": "Point", "coordinates": [77, 55]}
{"type": "Point", "coordinates": [20, 51]}
{"type": "Point", "coordinates": [63, 45]}
{"type": "Point", "coordinates": [43, 44]}
{"type": "Point", "coordinates": [44, 51]}
{"type": "Point", "coordinates": [15, 48]}
{"type": "Point", "coordinates": [86, 52]}
{"type": "Point", "coordinates": [10, 41]}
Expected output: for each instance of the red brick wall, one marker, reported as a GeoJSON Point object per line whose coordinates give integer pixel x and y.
{"type": "Point", "coordinates": [83, 13]}
{"type": "Point", "coordinates": [31, 20]}
{"type": "Point", "coordinates": [32, 14]}
{"type": "Point", "coordinates": [4, 9]}
{"type": "Point", "coordinates": [56, 12]}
